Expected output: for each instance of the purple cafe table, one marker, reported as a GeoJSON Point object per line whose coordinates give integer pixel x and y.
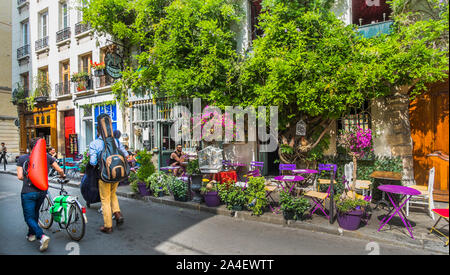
{"type": "Point", "coordinates": [289, 179]}
{"type": "Point", "coordinates": [407, 192]}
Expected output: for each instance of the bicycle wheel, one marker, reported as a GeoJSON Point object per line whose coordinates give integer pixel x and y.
{"type": "Point", "coordinates": [75, 223]}
{"type": "Point", "coordinates": [45, 218]}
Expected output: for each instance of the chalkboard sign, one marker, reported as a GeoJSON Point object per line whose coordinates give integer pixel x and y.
{"type": "Point", "coordinates": [73, 144]}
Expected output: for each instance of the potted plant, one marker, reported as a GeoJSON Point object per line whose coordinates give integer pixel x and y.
{"type": "Point", "coordinates": [145, 170]}
{"type": "Point", "coordinates": [293, 208]}
{"type": "Point", "coordinates": [84, 162]}
{"type": "Point", "coordinates": [233, 196]}
{"type": "Point", "coordinates": [256, 195]}
{"type": "Point", "coordinates": [157, 183]}
{"type": "Point", "coordinates": [99, 68]}
{"type": "Point", "coordinates": [350, 212]}
{"type": "Point", "coordinates": [210, 193]}
{"type": "Point", "coordinates": [193, 170]}
{"type": "Point", "coordinates": [178, 188]}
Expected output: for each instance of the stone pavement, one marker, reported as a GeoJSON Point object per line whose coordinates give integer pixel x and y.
{"type": "Point", "coordinates": [393, 233]}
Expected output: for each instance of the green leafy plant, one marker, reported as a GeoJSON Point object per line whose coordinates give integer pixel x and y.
{"type": "Point", "coordinates": [233, 196]}
{"type": "Point", "coordinates": [193, 168]}
{"type": "Point", "coordinates": [298, 206]}
{"type": "Point", "coordinates": [77, 77]}
{"type": "Point", "coordinates": [84, 161]}
{"type": "Point", "coordinates": [147, 168]}
{"type": "Point", "coordinates": [208, 186]}
{"type": "Point", "coordinates": [256, 195]}
{"type": "Point", "coordinates": [158, 182]}
{"type": "Point", "coordinates": [348, 204]}
{"type": "Point", "coordinates": [178, 187]}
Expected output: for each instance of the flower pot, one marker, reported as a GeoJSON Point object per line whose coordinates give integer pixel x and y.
{"type": "Point", "coordinates": [350, 220]}
{"type": "Point", "coordinates": [212, 199]}
{"type": "Point", "coordinates": [237, 208]}
{"type": "Point", "coordinates": [143, 189]}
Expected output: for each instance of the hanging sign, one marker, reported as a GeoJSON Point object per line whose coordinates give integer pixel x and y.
{"type": "Point", "coordinates": [73, 144]}
{"type": "Point", "coordinates": [113, 64]}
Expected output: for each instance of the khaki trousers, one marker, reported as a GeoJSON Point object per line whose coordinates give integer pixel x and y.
{"type": "Point", "coordinates": [110, 203]}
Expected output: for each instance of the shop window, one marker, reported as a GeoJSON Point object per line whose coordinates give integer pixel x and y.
{"type": "Point", "coordinates": [370, 11]}
{"type": "Point", "coordinates": [359, 117]}
{"type": "Point", "coordinates": [48, 119]}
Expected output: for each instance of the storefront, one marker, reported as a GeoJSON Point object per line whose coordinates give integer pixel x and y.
{"type": "Point", "coordinates": [40, 122]}
{"type": "Point", "coordinates": [87, 109]}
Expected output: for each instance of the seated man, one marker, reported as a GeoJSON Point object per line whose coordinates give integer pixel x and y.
{"type": "Point", "coordinates": [177, 159]}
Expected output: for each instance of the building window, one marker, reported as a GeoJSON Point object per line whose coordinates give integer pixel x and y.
{"type": "Point", "coordinates": [255, 11]}
{"type": "Point", "coordinates": [64, 15]}
{"type": "Point", "coordinates": [24, 35]}
{"type": "Point", "coordinates": [43, 21]}
{"type": "Point", "coordinates": [370, 11]}
{"type": "Point", "coordinates": [357, 118]}
{"type": "Point", "coordinates": [85, 63]}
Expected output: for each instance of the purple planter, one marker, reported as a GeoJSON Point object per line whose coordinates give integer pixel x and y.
{"type": "Point", "coordinates": [350, 220]}
{"type": "Point", "coordinates": [143, 189]}
{"type": "Point", "coordinates": [212, 199]}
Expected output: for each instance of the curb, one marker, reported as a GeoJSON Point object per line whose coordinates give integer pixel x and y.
{"type": "Point", "coordinates": [269, 218]}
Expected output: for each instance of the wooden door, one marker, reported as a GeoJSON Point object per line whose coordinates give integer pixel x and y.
{"type": "Point", "coordinates": [429, 118]}
{"type": "Point", "coordinates": [69, 128]}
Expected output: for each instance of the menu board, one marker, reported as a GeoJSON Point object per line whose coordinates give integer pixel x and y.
{"type": "Point", "coordinates": [73, 144]}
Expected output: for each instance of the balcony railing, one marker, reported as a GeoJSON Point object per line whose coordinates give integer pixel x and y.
{"type": "Point", "coordinates": [103, 81]}
{"type": "Point", "coordinates": [81, 28]}
{"type": "Point", "coordinates": [21, 2]}
{"type": "Point", "coordinates": [62, 89]}
{"type": "Point", "coordinates": [23, 51]}
{"type": "Point", "coordinates": [63, 34]}
{"type": "Point", "coordinates": [83, 85]}
{"type": "Point", "coordinates": [41, 43]}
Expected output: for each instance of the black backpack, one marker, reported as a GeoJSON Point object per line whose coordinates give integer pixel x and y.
{"type": "Point", "coordinates": [113, 165]}
{"type": "Point", "coordinates": [89, 185]}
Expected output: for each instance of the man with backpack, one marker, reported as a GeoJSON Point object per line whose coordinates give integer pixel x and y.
{"type": "Point", "coordinates": [32, 197]}
{"type": "Point", "coordinates": [110, 155]}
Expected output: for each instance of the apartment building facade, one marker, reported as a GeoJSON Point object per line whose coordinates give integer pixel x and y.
{"type": "Point", "coordinates": [55, 48]}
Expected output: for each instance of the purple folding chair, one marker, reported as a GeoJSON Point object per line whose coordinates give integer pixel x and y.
{"type": "Point", "coordinates": [286, 167]}
{"type": "Point", "coordinates": [319, 198]}
{"type": "Point", "coordinates": [254, 173]}
{"type": "Point", "coordinates": [257, 165]}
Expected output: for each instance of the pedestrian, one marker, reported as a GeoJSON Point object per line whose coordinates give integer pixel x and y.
{"type": "Point", "coordinates": [32, 197]}
{"type": "Point", "coordinates": [108, 196]}
{"type": "Point", "coordinates": [52, 153]}
{"type": "Point", "coordinates": [3, 155]}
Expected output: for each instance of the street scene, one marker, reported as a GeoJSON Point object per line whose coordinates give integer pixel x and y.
{"type": "Point", "coordinates": [224, 127]}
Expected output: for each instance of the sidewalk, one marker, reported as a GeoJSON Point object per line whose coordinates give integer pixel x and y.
{"type": "Point", "coordinates": [393, 233]}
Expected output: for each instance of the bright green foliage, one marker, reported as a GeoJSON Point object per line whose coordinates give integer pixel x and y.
{"type": "Point", "coordinates": [256, 195]}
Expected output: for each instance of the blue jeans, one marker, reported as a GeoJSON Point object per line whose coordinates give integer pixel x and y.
{"type": "Point", "coordinates": [31, 202]}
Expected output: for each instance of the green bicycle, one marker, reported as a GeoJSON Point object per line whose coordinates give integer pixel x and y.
{"type": "Point", "coordinates": [66, 210]}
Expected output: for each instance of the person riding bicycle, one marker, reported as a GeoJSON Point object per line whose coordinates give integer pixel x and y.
{"type": "Point", "coordinates": [32, 198]}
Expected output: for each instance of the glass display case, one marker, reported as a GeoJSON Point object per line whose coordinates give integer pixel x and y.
{"type": "Point", "coordinates": [210, 159]}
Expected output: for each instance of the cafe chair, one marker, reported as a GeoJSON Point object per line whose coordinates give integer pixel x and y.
{"type": "Point", "coordinates": [361, 185]}
{"type": "Point", "coordinates": [426, 196]}
{"type": "Point", "coordinates": [257, 165]}
{"type": "Point", "coordinates": [443, 214]}
{"type": "Point", "coordinates": [286, 167]}
{"type": "Point", "coordinates": [318, 198]}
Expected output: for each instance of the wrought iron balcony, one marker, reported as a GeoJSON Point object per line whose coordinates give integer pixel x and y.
{"type": "Point", "coordinates": [23, 51]}
{"type": "Point", "coordinates": [62, 89]}
{"type": "Point", "coordinates": [63, 34]}
{"type": "Point", "coordinates": [81, 28]}
{"type": "Point", "coordinates": [21, 2]}
{"type": "Point", "coordinates": [83, 85]}
{"type": "Point", "coordinates": [104, 81]}
{"type": "Point", "coordinates": [41, 43]}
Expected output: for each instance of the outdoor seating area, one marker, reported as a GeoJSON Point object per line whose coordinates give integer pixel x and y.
{"type": "Point", "coordinates": [289, 195]}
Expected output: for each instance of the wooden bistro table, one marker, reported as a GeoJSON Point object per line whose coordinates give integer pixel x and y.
{"type": "Point", "coordinates": [384, 176]}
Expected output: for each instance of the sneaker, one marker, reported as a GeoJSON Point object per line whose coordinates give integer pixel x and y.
{"type": "Point", "coordinates": [44, 243]}
{"type": "Point", "coordinates": [31, 238]}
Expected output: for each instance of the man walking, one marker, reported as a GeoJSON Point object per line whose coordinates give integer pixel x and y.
{"type": "Point", "coordinates": [108, 197]}
{"type": "Point", "coordinates": [3, 155]}
{"type": "Point", "coordinates": [32, 197]}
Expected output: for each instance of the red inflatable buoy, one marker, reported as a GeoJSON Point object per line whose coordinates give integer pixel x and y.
{"type": "Point", "coordinates": [37, 168]}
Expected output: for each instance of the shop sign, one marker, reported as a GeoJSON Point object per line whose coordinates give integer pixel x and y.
{"type": "Point", "coordinates": [113, 64]}
{"type": "Point", "coordinates": [73, 144]}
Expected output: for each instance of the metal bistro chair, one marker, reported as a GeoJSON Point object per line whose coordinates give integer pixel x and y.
{"type": "Point", "coordinates": [257, 165]}
{"type": "Point", "coordinates": [426, 196]}
{"type": "Point", "coordinates": [72, 167]}
{"type": "Point", "coordinates": [319, 198]}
